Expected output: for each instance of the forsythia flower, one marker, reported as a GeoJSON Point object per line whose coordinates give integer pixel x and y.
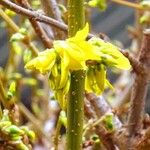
{"type": "Point", "coordinates": [110, 54]}
{"type": "Point", "coordinates": [72, 54]}
{"type": "Point", "coordinates": [44, 62]}
{"type": "Point", "coordinates": [77, 50]}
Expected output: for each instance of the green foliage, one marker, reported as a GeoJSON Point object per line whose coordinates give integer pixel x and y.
{"type": "Point", "coordinates": [12, 90]}
{"type": "Point", "coordinates": [145, 19]}
{"type": "Point", "coordinates": [27, 56]}
{"type": "Point", "coordinates": [10, 12]}
{"type": "Point", "coordinates": [108, 121]}
{"type": "Point", "coordinates": [19, 35]}
{"type": "Point", "coordinates": [101, 4]}
{"type": "Point", "coordinates": [14, 135]}
{"type": "Point", "coordinates": [63, 118]}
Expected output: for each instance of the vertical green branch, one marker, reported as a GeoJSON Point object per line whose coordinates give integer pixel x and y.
{"type": "Point", "coordinates": [76, 21]}
{"type": "Point", "coordinates": [76, 16]}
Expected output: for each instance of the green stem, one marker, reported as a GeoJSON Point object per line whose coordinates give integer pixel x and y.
{"type": "Point", "coordinates": [75, 105]}
{"type": "Point", "coordinates": [3, 97]}
{"type": "Point", "coordinates": [75, 111]}
{"type": "Point", "coordinates": [76, 16]}
{"type": "Point", "coordinates": [57, 134]}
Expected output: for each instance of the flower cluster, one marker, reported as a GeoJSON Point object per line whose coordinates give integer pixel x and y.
{"type": "Point", "coordinates": [72, 54]}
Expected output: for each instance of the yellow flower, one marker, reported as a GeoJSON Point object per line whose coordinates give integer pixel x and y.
{"type": "Point", "coordinates": [111, 54]}
{"type": "Point", "coordinates": [72, 54]}
{"type": "Point", "coordinates": [77, 50]}
{"type": "Point", "coordinates": [43, 62]}
{"type": "Point", "coordinates": [95, 80]}
{"type": "Point", "coordinates": [74, 57]}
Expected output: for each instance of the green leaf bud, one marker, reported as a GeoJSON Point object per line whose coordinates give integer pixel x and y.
{"type": "Point", "coordinates": [12, 90]}
{"type": "Point", "coordinates": [13, 130]}
{"type": "Point", "coordinates": [21, 146]}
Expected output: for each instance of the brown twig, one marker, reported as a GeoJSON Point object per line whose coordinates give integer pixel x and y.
{"type": "Point", "coordinates": [88, 111]}
{"type": "Point", "coordinates": [138, 26]}
{"type": "Point", "coordinates": [101, 107]}
{"type": "Point", "coordinates": [105, 137]}
{"type": "Point", "coordinates": [15, 28]}
{"type": "Point", "coordinates": [139, 89]}
{"type": "Point", "coordinates": [99, 104]}
{"type": "Point", "coordinates": [37, 26]}
{"type": "Point", "coordinates": [125, 97]}
{"type": "Point", "coordinates": [3, 97]}
{"type": "Point", "coordinates": [129, 4]}
{"type": "Point", "coordinates": [144, 143]}
{"type": "Point", "coordinates": [33, 14]}
{"type": "Point", "coordinates": [136, 65]}
{"type": "Point", "coordinates": [51, 9]}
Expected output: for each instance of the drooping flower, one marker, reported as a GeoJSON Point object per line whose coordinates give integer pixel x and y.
{"type": "Point", "coordinates": [73, 53]}
{"type": "Point", "coordinates": [111, 55]}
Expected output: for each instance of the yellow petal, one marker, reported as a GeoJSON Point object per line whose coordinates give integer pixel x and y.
{"type": "Point", "coordinates": [107, 48]}
{"type": "Point", "coordinates": [108, 84]}
{"type": "Point", "coordinates": [87, 85]}
{"type": "Point", "coordinates": [90, 52]}
{"type": "Point", "coordinates": [81, 35]}
{"type": "Point", "coordinates": [90, 82]}
{"type": "Point", "coordinates": [43, 62]}
{"type": "Point", "coordinates": [59, 95]}
{"type": "Point", "coordinates": [74, 54]}
{"type": "Point", "coordinates": [72, 50]}
{"type": "Point", "coordinates": [100, 76]}
{"type": "Point", "coordinates": [64, 70]}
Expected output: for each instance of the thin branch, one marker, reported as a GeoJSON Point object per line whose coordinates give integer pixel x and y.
{"type": "Point", "coordinates": [51, 9]}
{"type": "Point", "coordinates": [105, 137]}
{"type": "Point", "coordinates": [57, 134]}
{"type": "Point", "coordinates": [125, 97]}
{"type": "Point", "coordinates": [33, 14]}
{"type": "Point", "coordinates": [88, 111]}
{"type": "Point", "coordinates": [101, 107]}
{"type": "Point", "coordinates": [9, 21]}
{"type": "Point", "coordinates": [144, 143]}
{"type": "Point", "coordinates": [15, 28]}
{"type": "Point", "coordinates": [139, 89]}
{"type": "Point", "coordinates": [129, 4]}
{"type": "Point", "coordinates": [37, 26]}
{"type": "Point", "coordinates": [33, 120]}
{"type": "Point", "coordinates": [3, 97]}
{"type": "Point", "coordinates": [136, 65]}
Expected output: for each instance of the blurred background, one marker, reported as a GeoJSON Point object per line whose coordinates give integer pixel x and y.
{"type": "Point", "coordinates": [113, 22]}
